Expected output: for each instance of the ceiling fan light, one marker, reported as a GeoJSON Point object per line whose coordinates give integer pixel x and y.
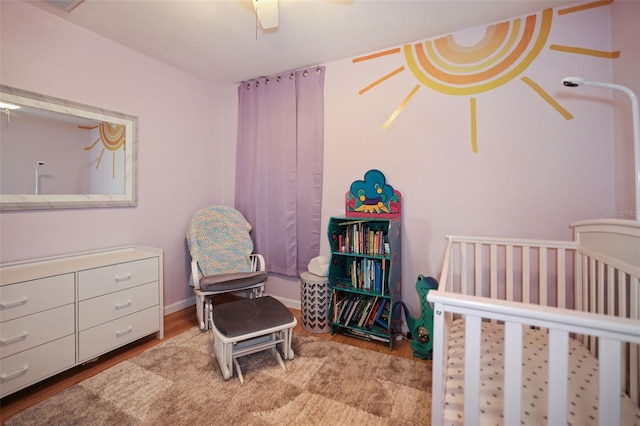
{"type": "Point", "coordinates": [267, 12]}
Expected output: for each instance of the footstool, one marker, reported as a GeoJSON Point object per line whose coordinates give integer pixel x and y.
{"type": "Point", "coordinates": [248, 326]}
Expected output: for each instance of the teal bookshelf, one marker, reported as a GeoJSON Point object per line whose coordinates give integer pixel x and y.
{"type": "Point", "coordinates": [364, 270]}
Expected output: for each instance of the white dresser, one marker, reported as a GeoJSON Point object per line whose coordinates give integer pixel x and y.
{"type": "Point", "coordinates": [62, 311]}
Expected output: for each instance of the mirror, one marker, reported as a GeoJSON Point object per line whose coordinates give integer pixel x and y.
{"type": "Point", "coordinates": [56, 153]}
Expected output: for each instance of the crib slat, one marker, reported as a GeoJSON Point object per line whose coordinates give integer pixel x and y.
{"type": "Point", "coordinates": [509, 262]}
{"type": "Point", "coordinates": [478, 272]}
{"type": "Point", "coordinates": [561, 259]}
{"type": "Point", "coordinates": [592, 300]}
{"type": "Point", "coordinates": [472, 350]}
{"type": "Point", "coordinates": [438, 363]}
{"type": "Point", "coordinates": [600, 286]}
{"type": "Point", "coordinates": [512, 373]}
{"type": "Point", "coordinates": [525, 274]}
{"type": "Point", "coordinates": [611, 290]}
{"type": "Point", "coordinates": [623, 313]}
{"type": "Point", "coordinates": [542, 270]}
{"type": "Point", "coordinates": [609, 376]}
{"type": "Point", "coordinates": [634, 353]}
{"type": "Point", "coordinates": [578, 293]}
{"type": "Point", "coordinates": [633, 374]}
{"type": "Point", "coordinates": [558, 374]}
{"type": "Point", "coordinates": [592, 285]}
{"type": "Point", "coordinates": [493, 277]}
{"type": "Point", "coordinates": [622, 295]}
{"type": "Point", "coordinates": [635, 297]}
{"type": "Point", "coordinates": [494, 271]}
{"type": "Point", "coordinates": [463, 268]}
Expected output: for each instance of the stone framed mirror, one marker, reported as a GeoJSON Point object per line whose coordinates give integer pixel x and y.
{"type": "Point", "coordinates": [56, 153]}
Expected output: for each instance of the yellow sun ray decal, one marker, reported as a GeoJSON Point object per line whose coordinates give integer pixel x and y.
{"type": "Point", "coordinates": [474, 125]}
{"type": "Point", "coordinates": [544, 95]}
{"type": "Point", "coordinates": [380, 80]}
{"type": "Point", "coordinates": [503, 54]}
{"type": "Point", "coordinates": [583, 51]}
{"type": "Point", "coordinates": [586, 6]}
{"type": "Point", "coordinates": [113, 137]}
{"type": "Point", "coordinates": [404, 102]}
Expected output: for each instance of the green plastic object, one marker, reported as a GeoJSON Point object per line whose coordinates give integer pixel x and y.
{"type": "Point", "coordinates": [421, 328]}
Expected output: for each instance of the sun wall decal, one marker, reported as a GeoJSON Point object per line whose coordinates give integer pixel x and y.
{"type": "Point", "coordinates": [502, 55]}
{"type": "Point", "coordinates": [113, 137]}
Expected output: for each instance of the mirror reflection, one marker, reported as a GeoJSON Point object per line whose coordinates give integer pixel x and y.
{"type": "Point", "coordinates": [44, 152]}
{"type": "Point", "coordinates": [57, 153]}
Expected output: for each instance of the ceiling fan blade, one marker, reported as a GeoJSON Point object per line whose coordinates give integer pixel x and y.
{"type": "Point", "coordinates": [267, 12]}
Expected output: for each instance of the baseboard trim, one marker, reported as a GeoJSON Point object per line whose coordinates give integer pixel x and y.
{"type": "Point", "coordinates": [289, 303]}
{"type": "Point", "coordinates": [177, 306]}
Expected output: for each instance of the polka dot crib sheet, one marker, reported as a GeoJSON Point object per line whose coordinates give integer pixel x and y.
{"type": "Point", "coordinates": [582, 382]}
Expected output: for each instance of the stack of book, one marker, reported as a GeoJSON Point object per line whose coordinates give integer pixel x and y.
{"type": "Point", "coordinates": [359, 238]}
{"type": "Point", "coordinates": [358, 310]}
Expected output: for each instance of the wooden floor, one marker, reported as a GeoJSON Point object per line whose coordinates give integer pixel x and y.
{"type": "Point", "coordinates": [175, 324]}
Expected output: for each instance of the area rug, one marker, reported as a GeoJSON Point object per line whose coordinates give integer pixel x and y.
{"type": "Point", "coordinates": [178, 382]}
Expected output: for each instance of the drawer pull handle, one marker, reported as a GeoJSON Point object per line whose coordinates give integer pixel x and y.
{"type": "Point", "coordinates": [123, 278]}
{"type": "Point", "coordinates": [123, 305]}
{"type": "Point", "coordinates": [15, 373]}
{"type": "Point", "coordinates": [123, 332]}
{"type": "Point", "coordinates": [14, 338]}
{"type": "Point", "coordinates": [14, 303]}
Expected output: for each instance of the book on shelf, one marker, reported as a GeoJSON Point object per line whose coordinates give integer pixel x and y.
{"type": "Point", "coordinates": [382, 317]}
{"type": "Point", "coordinates": [373, 314]}
{"type": "Point", "coordinates": [353, 305]}
{"type": "Point", "coordinates": [371, 302]}
{"type": "Point", "coordinates": [363, 313]}
{"type": "Point", "coordinates": [339, 303]}
{"type": "Point", "coordinates": [359, 237]}
{"type": "Point", "coordinates": [367, 336]}
{"type": "Point", "coordinates": [366, 274]}
{"type": "Point", "coordinates": [346, 303]}
{"type": "Point", "coordinates": [355, 319]}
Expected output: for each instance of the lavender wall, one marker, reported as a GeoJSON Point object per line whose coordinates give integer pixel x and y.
{"type": "Point", "coordinates": [626, 34]}
{"type": "Point", "coordinates": [183, 158]}
{"type": "Point", "coordinates": [535, 172]}
{"type": "Point", "coordinates": [28, 140]}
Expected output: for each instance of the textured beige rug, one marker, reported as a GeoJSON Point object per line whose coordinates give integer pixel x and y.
{"type": "Point", "coordinates": [178, 382]}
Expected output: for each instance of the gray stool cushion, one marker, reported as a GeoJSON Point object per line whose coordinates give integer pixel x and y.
{"type": "Point", "coordinates": [250, 315]}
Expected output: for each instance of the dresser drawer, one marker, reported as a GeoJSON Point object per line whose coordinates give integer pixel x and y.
{"type": "Point", "coordinates": [100, 339]}
{"type": "Point", "coordinates": [28, 297]}
{"type": "Point", "coordinates": [105, 308]}
{"type": "Point", "coordinates": [27, 332]}
{"type": "Point", "coordinates": [25, 368]}
{"type": "Point", "coordinates": [108, 279]}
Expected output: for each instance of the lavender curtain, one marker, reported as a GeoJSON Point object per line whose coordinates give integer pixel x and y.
{"type": "Point", "coordinates": [279, 166]}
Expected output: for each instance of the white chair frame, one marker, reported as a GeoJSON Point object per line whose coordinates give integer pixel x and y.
{"type": "Point", "coordinates": [203, 309]}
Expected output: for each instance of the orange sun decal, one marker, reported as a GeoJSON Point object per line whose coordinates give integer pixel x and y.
{"type": "Point", "coordinates": [502, 55]}
{"type": "Point", "coordinates": [113, 138]}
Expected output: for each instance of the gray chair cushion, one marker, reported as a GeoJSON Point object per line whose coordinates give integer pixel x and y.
{"type": "Point", "coordinates": [232, 281]}
{"type": "Point", "coordinates": [250, 315]}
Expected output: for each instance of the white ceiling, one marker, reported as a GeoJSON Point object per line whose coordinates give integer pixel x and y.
{"type": "Point", "coordinates": [218, 40]}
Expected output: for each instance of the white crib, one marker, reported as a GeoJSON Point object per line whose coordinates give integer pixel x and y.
{"type": "Point", "coordinates": [539, 332]}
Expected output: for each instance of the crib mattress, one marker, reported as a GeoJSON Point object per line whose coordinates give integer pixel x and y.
{"type": "Point", "coordinates": [583, 380]}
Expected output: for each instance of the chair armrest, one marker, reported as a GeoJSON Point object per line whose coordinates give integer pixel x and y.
{"type": "Point", "coordinates": [257, 262]}
{"type": "Point", "coordinates": [195, 274]}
